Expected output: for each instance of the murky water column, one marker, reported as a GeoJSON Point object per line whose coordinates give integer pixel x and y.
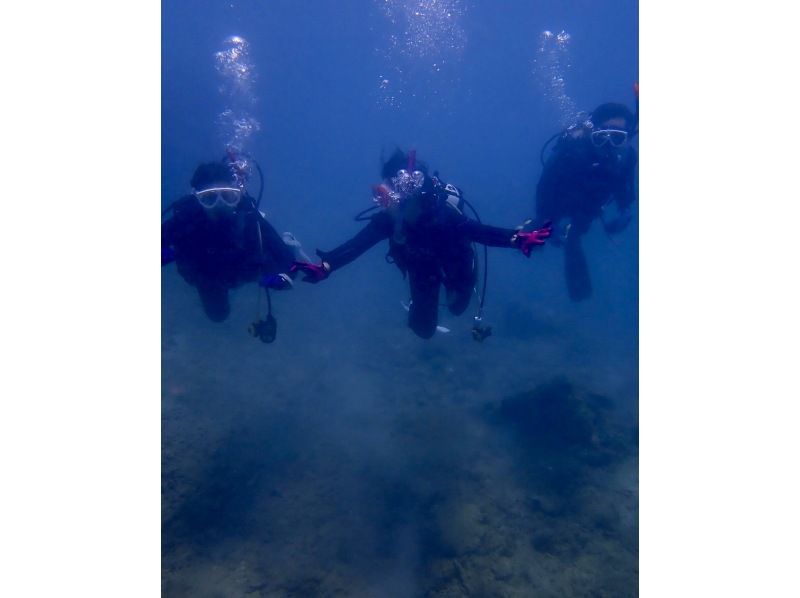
{"type": "Point", "coordinates": [550, 67]}
{"type": "Point", "coordinates": [425, 37]}
{"type": "Point", "coordinates": [235, 122]}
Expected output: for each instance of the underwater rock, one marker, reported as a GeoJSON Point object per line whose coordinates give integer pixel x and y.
{"type": "Point", "coordinates": [502, 568]}
{"type": "Point", "coordinates": [544, 504]}
{"type": "Point", "coordinates": [460, 527]}
{"type": "Point", "coordinates": [603, 512]}
{"type": "Point", "coordinates": [544, 542]}
{"type": "Point", "coordinates": [558, 417]}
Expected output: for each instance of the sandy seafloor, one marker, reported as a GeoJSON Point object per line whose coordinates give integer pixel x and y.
{"type": "Point", "coordinates": [352, 459]}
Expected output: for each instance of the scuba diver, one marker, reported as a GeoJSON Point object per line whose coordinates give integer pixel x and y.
{"type": "Point", "coordinates": [592, 164]}
{"type": "Point", "coordinates": [219, 240]}
{"type": "Point", "coordinates": [430, 240]}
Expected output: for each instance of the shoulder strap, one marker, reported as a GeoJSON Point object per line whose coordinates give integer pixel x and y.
{"type": "Point", "coordinates": [453, 196]}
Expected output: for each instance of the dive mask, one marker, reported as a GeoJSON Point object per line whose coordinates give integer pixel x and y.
{"type": "Point", "coordinates": [407, 182]}
{"type": "Point", "coordinates": [212, 197]}
{"type": "Point", "coordinates": [616, 137]}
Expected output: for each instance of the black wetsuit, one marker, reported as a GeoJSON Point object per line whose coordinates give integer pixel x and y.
{"type": "Point", "coordinates": [577, 182]}
{"type": "Point", "coordinates": [432, 249]}
{"type": "Point", "coordinates": [217, 255]}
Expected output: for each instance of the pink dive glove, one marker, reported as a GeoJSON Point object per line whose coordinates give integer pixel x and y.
{"type": "Point", "coordinates": [526, 241]}
{"type": "Point", "coordinates": [313, 272]}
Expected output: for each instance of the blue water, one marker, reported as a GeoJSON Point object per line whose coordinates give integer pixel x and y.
{"type": "Point", "coordinates": [351, 458]}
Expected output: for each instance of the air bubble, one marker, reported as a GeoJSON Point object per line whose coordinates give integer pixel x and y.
{"type": "Point", "coordinates": [235, 122]}
{"type": "Point", "coordinates": [550, 66]}
{"type": "Point", "coordinates": [424, 32]}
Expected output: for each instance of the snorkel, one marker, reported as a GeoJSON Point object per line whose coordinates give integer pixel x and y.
{"type": "Point", "coordinates": [635, 127]}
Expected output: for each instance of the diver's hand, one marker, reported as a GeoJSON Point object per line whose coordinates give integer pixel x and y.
{"type": "Point", "coordinates": [276, 282]}
{"type": "Point", "coordinates": [167, 255]}
{"type": "Point", "coordinates": [526, 241]}
{"type": "Point", "coordinates": [313, 272]}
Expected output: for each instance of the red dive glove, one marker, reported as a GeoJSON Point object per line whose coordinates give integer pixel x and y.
{"type": "Point", "coordinates": [526, 241]}
{"type": "Point", "coordinates": [313, 272]}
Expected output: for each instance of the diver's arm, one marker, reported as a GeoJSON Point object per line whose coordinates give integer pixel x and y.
{"type": "Point", "coordinates": [167, 231]}
{"type": "Point", "coordinates": [494, 236]}
{"type": "Point", "coordinates": [627, 194]}
{"type": "Point", "coordinates": [167, 240]}
{"type": "Point", "coordinates": [624, 200]}
{"type": "Point", "coordinates": [273, 244]}
{"type": "Point", "coordinates": [170, 226]}
{"type": "Point", "coordinates": [625, 197]}
{"type": "Point", "coordinates": [378, 229]}
{"type": "Point", "coordinates": [485, 234]}
{"type": "Point", "coordinates": [175, 227]}
{"type": "Point", "coordinates": [547, 204]}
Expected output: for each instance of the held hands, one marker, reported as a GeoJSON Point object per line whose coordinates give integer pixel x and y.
{"type": "Point", "coordinates": [313, 272]}
{"type": "Point", "coordinates": [526, 241]}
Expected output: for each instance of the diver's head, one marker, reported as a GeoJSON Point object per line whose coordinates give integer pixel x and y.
{"type": "Point", "coordinates": [214, 187]}
{"type": "Point", "coordinates": [612, 126]}
{"type": "Point", "coordinates": [404, 174]}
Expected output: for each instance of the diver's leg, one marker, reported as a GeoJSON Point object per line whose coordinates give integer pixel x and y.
{"type": "Point", "coordinates": [459, 282]}
{"type": "Point", "coordinates": [576, 268]}
{"type": "Point", "coordinates": [424, 309]}
{"type": "Point", "coordinates": [215, 302]}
